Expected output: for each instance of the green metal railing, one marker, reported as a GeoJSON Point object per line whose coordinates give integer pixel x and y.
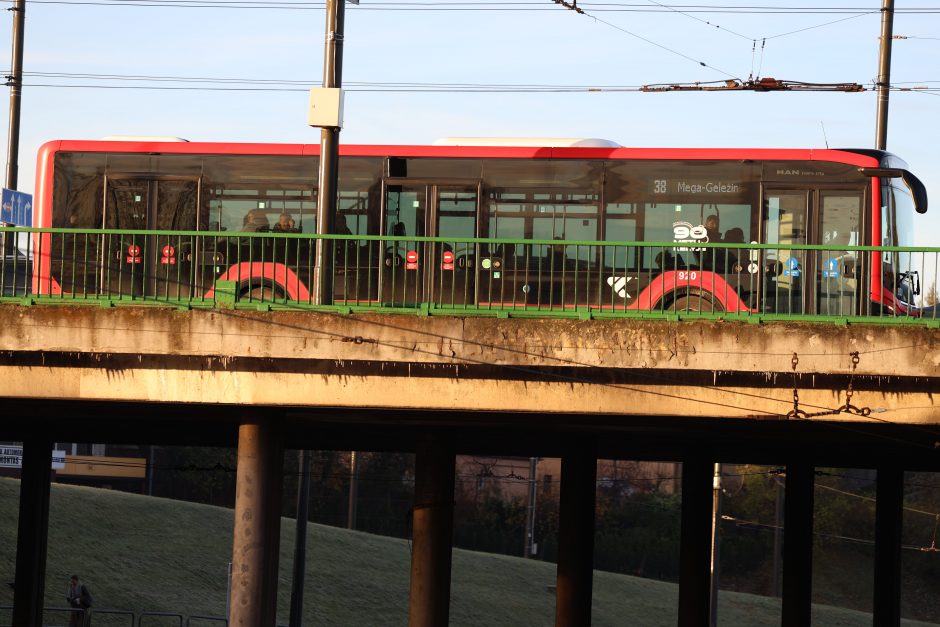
{"type": "Point", "coordinates": [473, 276]}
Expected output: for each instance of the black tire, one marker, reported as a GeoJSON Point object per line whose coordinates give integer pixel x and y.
{"type": "Point", "coordinates": [261, 292]}
{"type": "Point", "coordinates": [693, 302]}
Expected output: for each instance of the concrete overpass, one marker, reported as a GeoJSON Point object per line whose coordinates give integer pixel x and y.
{"type": "Point", "coordinates": [697, 392]}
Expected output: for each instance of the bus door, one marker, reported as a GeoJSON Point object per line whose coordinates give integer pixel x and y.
{"type": "Point", "coordinates": [141, 264]}
{"type": "Point", "coordinates": [785, 222]}
{"type": "Point", "coordinates": [426, 272]}
{"type": "Point", "coordinates": [837, 269]}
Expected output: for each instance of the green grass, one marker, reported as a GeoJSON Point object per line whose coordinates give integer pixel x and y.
{"type": "Point", "coordinates": [141, 553]}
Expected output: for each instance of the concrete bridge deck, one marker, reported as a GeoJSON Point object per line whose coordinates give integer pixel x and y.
{"type": "Point", "coordinates": [616, 367]}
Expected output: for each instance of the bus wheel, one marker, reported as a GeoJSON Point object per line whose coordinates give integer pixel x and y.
{"type": "Point", "coordinates": [694, 302]}
{"type": "Point", "coordinates": [261, 292]}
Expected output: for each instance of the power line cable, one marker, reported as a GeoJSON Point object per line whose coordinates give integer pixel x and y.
{"type": "Point", "coordinates": [483, 6]}
{"type": "Point", "coordinates": [574, 7]}
{"type": "Point", "coordinates": [209, 83]}
{"type": "Point", "coordinates": [706, 22]}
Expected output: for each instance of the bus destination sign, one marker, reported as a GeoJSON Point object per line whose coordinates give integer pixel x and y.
{"type": "Point", "coordinates": [693, 187]}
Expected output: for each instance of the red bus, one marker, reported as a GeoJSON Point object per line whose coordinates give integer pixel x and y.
{"type": "Point", "coordinates": [561, 224]}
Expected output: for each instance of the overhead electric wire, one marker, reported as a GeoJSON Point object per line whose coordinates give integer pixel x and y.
{"type": "Point", "coordinates": [449, 90]}
{"type": "Point", "coordinates": [264, 84]}
{"type": "Point", "coordinates": [208, 83]}
{"type": "Point", "coordinates": [803, 30]}
{"type": "Point", "coordinates": [698, 19]}
{"type": "Point", "coordinates": [488, 6]}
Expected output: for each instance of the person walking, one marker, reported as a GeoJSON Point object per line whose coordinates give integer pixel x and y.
{"type": "Point", "coordinates": [80, 599]}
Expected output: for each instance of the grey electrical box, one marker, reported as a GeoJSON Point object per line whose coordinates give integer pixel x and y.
{"type": "Point", "coordinates": [326, 107]}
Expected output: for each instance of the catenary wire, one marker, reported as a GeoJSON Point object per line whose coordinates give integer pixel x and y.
{"type": "Point", "coordinates": [210, 83]}
{"type": "Point", "coordinates": [490, 6]}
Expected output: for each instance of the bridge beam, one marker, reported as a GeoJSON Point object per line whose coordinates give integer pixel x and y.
{"type": "Point", "coordinates": [256, 538]}
{"type": "Point", "coordinates": [798, 545]}
{"type": "Point", "coordinates": [432, 532]}
{"type": "Point", "coordinates": [32, 534]}
{"type": "Point", "coordinates": [575, 571]}
{"type": "Point", "coordinates": [889, 508]}
{"type": "Point", "coordinates": [695, 543]}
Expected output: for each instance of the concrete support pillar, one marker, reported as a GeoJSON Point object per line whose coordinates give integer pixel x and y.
{"type": "Point", "coordinates": [32, 533]}
{"type": "Point", "coordinates": [432, 532]}
{"type": "Point", "coordinates": [695, 544]}
{"type": "Point", "coordinates": [798, 545]}
{"type": "Point", "coordinates": [257, 525]}
{"type": "Point", "coordinates": [575, 573]}
{"type": "Point", "coordinates": [889, 510]}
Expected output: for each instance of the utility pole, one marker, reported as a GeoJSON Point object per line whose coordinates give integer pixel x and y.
{"type": "Point", "coordinates": [716, 543]}
{"type": "Point", "coordinates": [16, 91]}
{"type": "Point", "coordinates": [323, 276]}
{"type": "Point", "coordinates": [530, 510]}
{"type": "Point", "coordinates": [778, 528]}
{"type": "Point", "coordinates": [300, 541]}
{"type": "Point", "coordinates": [884, 73]}
{"type": "Point", "coordinates": [329, 152]}
{"type": "Point", "coordinates": [353, 490]}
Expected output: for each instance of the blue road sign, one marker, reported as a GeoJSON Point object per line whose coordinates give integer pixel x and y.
{"type": "Point", "coordinates": [16, 208]}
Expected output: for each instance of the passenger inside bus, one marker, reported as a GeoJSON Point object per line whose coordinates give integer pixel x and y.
{"type": "Point", "coordinates": [341, 227]}
{"type": "Point", "coordinates": [665, 260]}
{"type": "Point", "coordinates": [347, 251]}
{"type": "Point", "coordinates": [256, 221]}
{"type": "Point", "coordinates": [712, 227]}
{"type": "Point", "coordinates": [285, 224]}
{"type": "Point", "coordinates": [734, 255]}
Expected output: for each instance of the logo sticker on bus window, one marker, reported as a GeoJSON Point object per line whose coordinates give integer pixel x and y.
{"type": "Point", "coordinates": [686, 233]}
{"type": "Point", "coordinates": [792, 267]}
{"type": "Point", "coordinates": [619, 285]}
{"type": "Point", "coordinates": [447, 260]}
{"type": "Point", "coordinates": [169, 255]}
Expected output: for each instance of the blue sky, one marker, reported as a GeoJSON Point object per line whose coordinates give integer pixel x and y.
{"type": "Point", "coordinates": [542, 44]}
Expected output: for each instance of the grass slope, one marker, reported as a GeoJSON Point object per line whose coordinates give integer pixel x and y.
{"type": "Point", "coordinates": [141, 553]}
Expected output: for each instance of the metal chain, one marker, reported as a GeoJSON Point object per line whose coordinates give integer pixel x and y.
{"type": "Point", "coordinates": [796, 412]}
{"type": "Point", "coordinates": [848, 408]}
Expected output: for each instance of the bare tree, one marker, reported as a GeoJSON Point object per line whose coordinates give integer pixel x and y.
{"type": "Point", "coordinates": [930, 298]}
